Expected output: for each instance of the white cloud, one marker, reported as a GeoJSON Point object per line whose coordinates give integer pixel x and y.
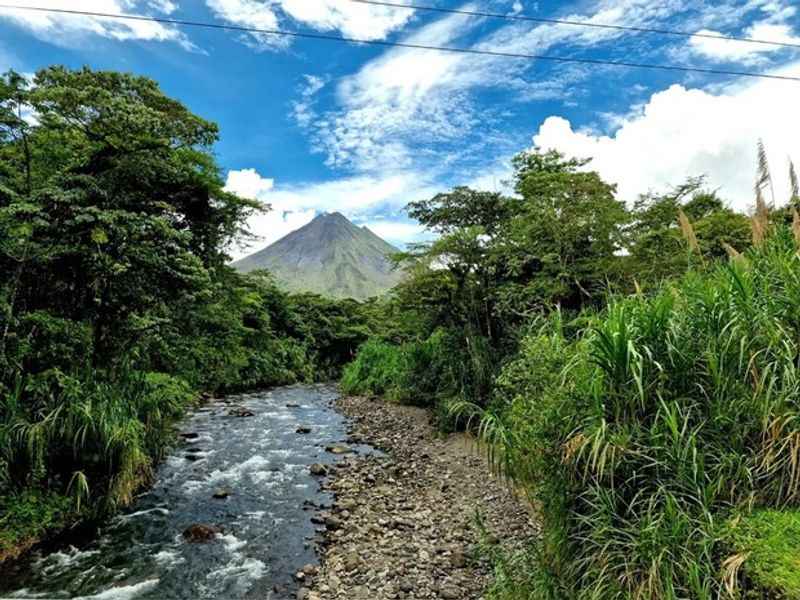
{"type": "Point", "coordinates": [407, 99]}
{"type": "Point", "coordinates": [69, 30]}
{"type": "Point", "coordinates": [359, 21]}
{"type": "Point", "coordinates": [748, 53]}
{"type": "Point", "coordinates": [247, 183]}
{"type": "Point", "coordinates": [355, 20]}
{"type": "Point", "coordinates": [250, 13]}
{"type": "Point", "coordinates": [360, 198]}
{"type": "Point", "coordinates": [682, 132]}
{"type": "Point", "coordinates": [163, 6]}
{"type": "Point", "coordinates": [398, 102]}
{"type": "Point", "coordinates": [302, 109]}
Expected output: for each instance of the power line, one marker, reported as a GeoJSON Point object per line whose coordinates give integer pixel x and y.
{"type": "Point", "coordinates": [452, 49]}
{"type": "Point", "coordinates": [528, 18]}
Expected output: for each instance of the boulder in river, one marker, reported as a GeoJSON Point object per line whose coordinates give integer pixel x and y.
{"type": "Point", "coordinates": [338, 449]}
{"type": "Point", "coordinates": [221, 494]}
{"type": "Point", "coordinates": [303, 430]}
{"type": "Point", "coordinates": [318, 469]}
{"type": "Point", "coordinates": [200, 533]}
{"type": "Point", "coordinates": [241, 411]}
{"type": "Point", "coordinates": [190, 435]}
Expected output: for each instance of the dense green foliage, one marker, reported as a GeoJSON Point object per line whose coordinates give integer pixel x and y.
{"type": "Point", "coordinates": [563, 241]}
{"type": "Point", "coordinates": [638, 435]}
{"type": "Point", "coordinates": [116, 305]}
{"type": "Point", "coordinates": [634, 371]}
{"type": "Point", "coordinates": [768, 542]}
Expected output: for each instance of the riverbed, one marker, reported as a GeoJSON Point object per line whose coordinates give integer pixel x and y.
{"type": "Point", "coordinates": [256, 465]}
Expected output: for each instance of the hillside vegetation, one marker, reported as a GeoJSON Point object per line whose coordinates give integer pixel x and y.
{"type": "Point", "coordinates": [633, 370]}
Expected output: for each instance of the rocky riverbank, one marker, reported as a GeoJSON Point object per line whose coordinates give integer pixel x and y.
{"type": "Point", "coordinates": [405, 525]}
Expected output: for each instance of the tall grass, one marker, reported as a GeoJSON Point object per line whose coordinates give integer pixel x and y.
{"type": "Point", "coordinates": [640, 435]}
{"type": "Point", "coordinates": [89, 435]}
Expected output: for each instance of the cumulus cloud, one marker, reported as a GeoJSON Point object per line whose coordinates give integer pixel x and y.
{"type": "Point", "coordinates": [69, 30]}
{"type": "Point", "coordinates": [247, 183]}
{"type": "Point", "coordinates": [681, 132]}
{"type": "Point", "coordinates": [359, 21]}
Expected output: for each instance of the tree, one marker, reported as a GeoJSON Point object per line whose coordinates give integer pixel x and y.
{"type": "Point", "coordinates": [563, 243]}
{"type": "Point", "coordinates": [113, 206]}
{"type": "Point", "coordinates": [654, 240]}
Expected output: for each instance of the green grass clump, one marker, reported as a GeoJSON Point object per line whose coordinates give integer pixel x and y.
{"type": "Point", "coordinates": [769, 543]}
{"type": "Point", "coordinates": [639, 434]}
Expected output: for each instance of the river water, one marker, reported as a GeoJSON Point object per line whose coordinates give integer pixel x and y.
{"type": "Point", "coordinates": [266, 520]}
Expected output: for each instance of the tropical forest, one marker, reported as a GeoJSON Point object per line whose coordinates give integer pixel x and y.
{"type": "Point", "coordinates": [559, 392]}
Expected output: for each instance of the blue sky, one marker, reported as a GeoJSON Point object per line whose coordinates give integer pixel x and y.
{"type": "Point", "coordinates": [312, 126]}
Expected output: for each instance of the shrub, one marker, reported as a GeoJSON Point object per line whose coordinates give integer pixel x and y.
{"type": "Point", "coordinates": [89, 437]}
{"type": "Point", "coordinates": [377, 369]}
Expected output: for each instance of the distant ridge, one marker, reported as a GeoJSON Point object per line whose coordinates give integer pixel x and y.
{"type": "Point", "coordinates": [329, 256]}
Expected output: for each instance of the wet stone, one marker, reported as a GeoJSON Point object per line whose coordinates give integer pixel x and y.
{"type": "Point", "coordinates": [318, 470]}
{"type": "Point", "coordinates": [200, 533]}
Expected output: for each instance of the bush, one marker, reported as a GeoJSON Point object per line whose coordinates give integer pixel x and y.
{"type": "Point", "coordinates": [377, 369]}
{"type": "Point", "coordinates": [641, 436]}
{"type": "Point", "coordinates": [27, 516]}
{"type": "Point", "coordinates": [438, 373]}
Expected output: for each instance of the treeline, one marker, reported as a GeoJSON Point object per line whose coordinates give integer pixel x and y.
{"type": "Point", "coordinates": [634, 370]}
{"type": "Point", "coordinates": [117, 308]}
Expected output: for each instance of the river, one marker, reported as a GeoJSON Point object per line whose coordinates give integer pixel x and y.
{"type": "Point", "coordinates": [267, 534]}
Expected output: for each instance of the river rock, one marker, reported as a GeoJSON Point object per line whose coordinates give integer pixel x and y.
{"type": "Point", "coordinates": [303, 430]}
{"type": "Point", "coordinates": [457, 559]}
{"type": "Point", "coordinates": [402, 523]}
{"type": "Point", "coordinates": [318, 470]}
{"type": "Point", "coordinates": [221, 494]}
{"type": "Point", "coordinates": [200, 533]}
{"type": "Point", "coordinates": [351, 562]}
{"type": "Point", "coordinates": [241, 411]}
{"type": "Point", "coordinates": [449, 592]}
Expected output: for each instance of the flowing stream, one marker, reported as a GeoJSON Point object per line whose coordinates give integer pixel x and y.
{"type": "Point", "coordinates": [261, 460]}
